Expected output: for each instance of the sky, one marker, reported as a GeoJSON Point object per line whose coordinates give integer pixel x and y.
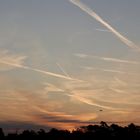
{"type": "Point", "coordinates": [67, 63]}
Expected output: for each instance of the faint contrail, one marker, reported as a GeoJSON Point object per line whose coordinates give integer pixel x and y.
{"type": "Point", "coordinates": [40, 71]}
{"type": "Point", "coordinates": [118, 90]}
{"type": "Point", "coordinates": [102, 30]}
{"type": "Point", "coordinates": [93, 14]}
{"type": "Point", "coordinates": [106, 58]}
{"type": "Point", "coordinates": [116, 71]}
{"type": "Point", "coordinates": [119, 60]}
{"type": "Point", "coordinates": [120, 82]}
{"type": "Point", "coordinates": [109, 70]}
{"type": "Point", "coordinates": [62, 69]}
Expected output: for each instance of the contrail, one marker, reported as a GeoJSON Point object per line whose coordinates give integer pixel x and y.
{"type": "Point", "coordinates": [109, 70]}
{"type": "Point", "coordinates": [106, 58]}
{"type": "Point", "coordinates": [93, 14]}
{"type": "Point", "coordinates": [102, 30]}
{"type": "Point", "coordinates": [120, 72]}
{"type": "Point", "coordinates": [62, 69]}
{"type": "Point", "coordinates": [40, 71]}
{"type": "Point", "coordinates": [120, 82]}
{"type": "Point", "coordinates": [117, 90]}
{"type": "Point", "coordinates": [85, 100]}
{"type": "Point", "coordinates": [79, 98]}
{"type": "Point", "coordinates": [115, 71]}
{"type": "Point", "coordinates": [89, 102]}
{"type": "Point", "coordinates": [119, 60]}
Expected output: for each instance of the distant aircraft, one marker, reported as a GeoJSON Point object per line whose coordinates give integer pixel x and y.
{"type": "Point", "coordinates": [100, 110]}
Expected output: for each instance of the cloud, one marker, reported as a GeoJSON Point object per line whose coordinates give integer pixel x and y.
{"type": "Point", "coordinates": [81, 118]}
{"type": "Point", "coordinates": [93, 14]}
{"type": "Point", "coordinates": [72, 93]}
{"type": "Point", "coordinates": [81, 96]}
{"type": "Point", "coordinates": [99, 98]}
{"type": "Point", "coordinates": [36, 109]}
{"type": "Point", "coordinates": [6, 56]}
{"type": "Point", "coordinates": [16, 61]}
{"type": "Point", "coordinates": [31, 104]}
{"type": "Point", "coordinates": [63, 120]}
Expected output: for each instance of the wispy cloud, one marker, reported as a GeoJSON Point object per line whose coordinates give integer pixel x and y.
{"type": "Point", "coordinates": [7, 58]}
{"type": "Point", "coordinates": [72, 94]}
{"type": "Point", "coordinates": [60, 119]}
{"type": "Point", "coordinates": [63, 120]}
{"type": "Point", "coordinates": [59, 116]}
{"type": "Point", "coordinates": [17, 61]}
{"type": "Point", "coordinates": [85, 97]}
{"type": "Point", "coordinates": [93, 14]}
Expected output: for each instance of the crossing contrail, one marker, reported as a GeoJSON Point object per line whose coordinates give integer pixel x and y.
{"type": "Point", "coordinates": [93, 14]}
{"type": "Point", "coordinates": [62, 69]}
{"type": "Point", "coordinates": [39, 71]}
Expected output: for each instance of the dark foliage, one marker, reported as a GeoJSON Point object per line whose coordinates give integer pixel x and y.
{"type": "Point", "coordinates": [90, 132]}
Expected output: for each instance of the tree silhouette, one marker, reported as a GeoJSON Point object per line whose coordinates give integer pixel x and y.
{"type": "Point", "coordinates": [90, 132]}
{"type": "Point", "coordinates": [1, 134]}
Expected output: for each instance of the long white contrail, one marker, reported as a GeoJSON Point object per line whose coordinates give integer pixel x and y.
{"type": "Point", "coordinates": [40, 71]}
{"type": "Point", "coordinates": [93, 14]}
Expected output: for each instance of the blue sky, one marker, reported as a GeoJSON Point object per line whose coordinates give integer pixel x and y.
{"type": "Point", "coordinates": [58, 62]}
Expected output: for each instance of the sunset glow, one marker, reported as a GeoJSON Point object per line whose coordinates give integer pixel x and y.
{"type": "Point", "coordinates": [68, 63]}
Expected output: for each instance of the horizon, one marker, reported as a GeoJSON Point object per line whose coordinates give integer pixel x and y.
{"type": "Point", "coordinates": [69, 62]}
{"type": "Point", "coordinates": [23, 126]}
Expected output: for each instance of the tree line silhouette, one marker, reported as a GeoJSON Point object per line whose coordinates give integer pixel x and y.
{"type": "Point", "coordinates": [90, 132]}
